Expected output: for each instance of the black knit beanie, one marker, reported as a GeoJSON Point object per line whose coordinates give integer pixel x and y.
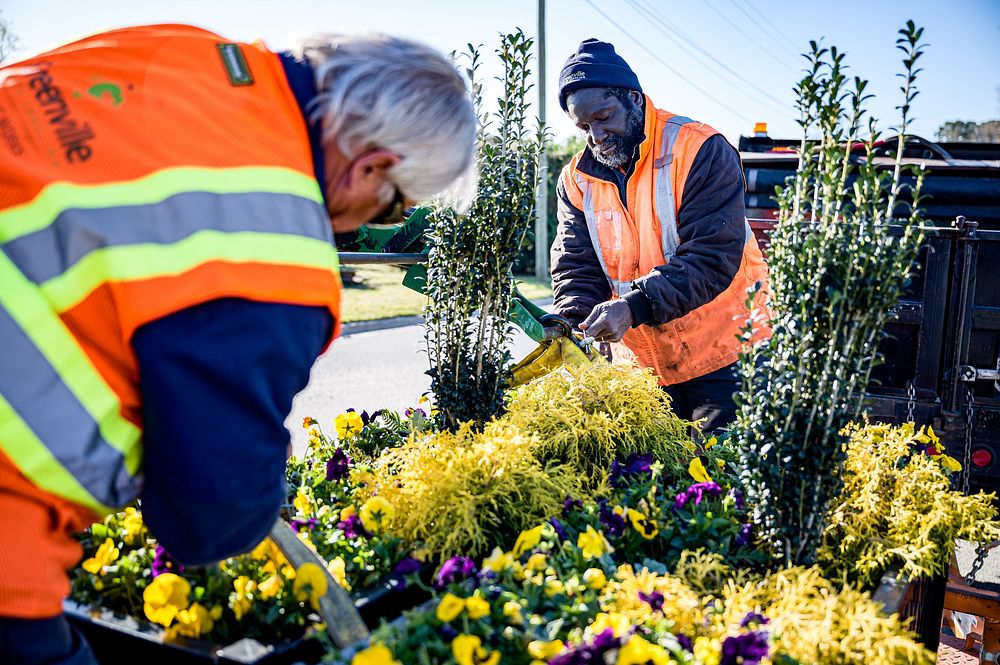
{"type": "Point", "coordinates": [595, 65]}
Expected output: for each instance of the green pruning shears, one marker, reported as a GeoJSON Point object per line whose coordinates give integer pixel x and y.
{"type": "Point", "coordinates": [343, 623]}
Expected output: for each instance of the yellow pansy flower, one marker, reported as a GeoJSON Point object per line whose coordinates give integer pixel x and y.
{"type": "Point", "coordinates": [338, 570]}
{"type": "Point", "coordinates": [105, 555]}
{"type": "Point", "coordinates": [595, 579]}
{"type": "Point", "coordinates": [477, 607]}
{"type": "Point", "coordinates": [303, 502]}
{"type": "Point", "coordinates": [241, 600]}
{"type": "Point", "coordinates": [618, 623]}
{"type": "Point", "coordinates": [536, 561]}
{"type": "Point", "coordinates": [527, 540]}
{"type": "Point", "coordinates": [193, 622]}
{"type": "Point", "coordinates": [593, 543]}
{"type": "Point", "coordinates": [131, 525]}
{"type": "Point", "coordinates": [309, 584]}
{"type": "Point", "coordinates": [377, 513]}
{"type": "Point", "coordinates": [646, 527]}
{"type": "Point", "coordinates": [698, 471]}
{"type": "Point", "coordinates": [348, 424]}
{"type": "Point", "coordinates": [545, 650]}
{"type": "Point", "coordinates": [270, 587]}
{"type": "Point", "coordinates": [554, 587]}
{"type": "Point", "coordinates": [165, 596]}
{"type": "Point", "coordinates": [449, 608]}
{"type": "Point", "coordinates": [468, 650]}
{"type": "Point", "coordinates": [512, 611]}
{"type": "Point", "coordinates": [376, 654]}
{"type": "Point", "coordinates": [637, 651]}
{"type": "Point", "coordinates": [950, 463]}
{"type": "Point", "coordinates": [498, 561]}
{"type": "Point", "coordinates": [347, 513]}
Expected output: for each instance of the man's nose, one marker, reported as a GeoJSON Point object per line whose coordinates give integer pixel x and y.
{"type": "Point", "coordinates": [598, 135]}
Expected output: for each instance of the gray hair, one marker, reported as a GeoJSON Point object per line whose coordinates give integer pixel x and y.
{"type": "Point", "coordinates": [400, 95]}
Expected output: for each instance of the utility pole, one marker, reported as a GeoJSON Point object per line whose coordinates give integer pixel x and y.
{"type": "Point", "coordinates": [542, 193]}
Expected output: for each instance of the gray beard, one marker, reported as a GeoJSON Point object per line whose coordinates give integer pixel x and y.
{"type": "Point", "coordinates": [624, 145]}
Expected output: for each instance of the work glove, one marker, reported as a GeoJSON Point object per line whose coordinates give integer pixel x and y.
{"type": "Point", "coordinates": [608, 321]}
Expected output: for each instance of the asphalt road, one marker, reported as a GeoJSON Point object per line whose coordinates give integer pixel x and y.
{"type": "Point", "coordinates": [367, 371]}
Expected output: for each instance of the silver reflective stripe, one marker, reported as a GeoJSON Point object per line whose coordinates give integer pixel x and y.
{"type": "Point", "coordinates": [619, 288]}
{"type": "Point", "coordinates": [76, 232]}
{"type": "Point", "coordinates": [665, 206]}
{"type": "Point", "coordinates": [32, 386]}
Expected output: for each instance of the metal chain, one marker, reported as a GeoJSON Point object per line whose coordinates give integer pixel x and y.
{"type": "Point", "coordinates": [982, 549]}
{"type": "Point", "coordinates": [911, 399]}
{"type": "Point", "coordinates": [967, 453]}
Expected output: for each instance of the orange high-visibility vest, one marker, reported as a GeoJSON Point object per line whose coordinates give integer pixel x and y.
{"type": "Point", "coordinates": [630, 242]}
{"type": "Point", "coordinates": [142, 171]}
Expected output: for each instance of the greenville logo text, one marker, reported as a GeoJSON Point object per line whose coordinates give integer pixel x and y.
{"type": "Point", "coordinates": [72, 135]}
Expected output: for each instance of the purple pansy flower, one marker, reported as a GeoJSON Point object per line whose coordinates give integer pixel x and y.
{"type": "Point", "coordinates": [409, 413]}
{"type": "Point", "coordinates": [696, 492]}
{"type": "Point", "coordinates": [570, 504]}
{"type": "Point", "coordinates": [737, 499]}
{"type": "Point", "coordinates": [308, 523]}
{"type": "Point", "coordinates": [754, 618]}
{"type": "Point", "coordinates": [164, 563]}
{"type": "Point", "coordinates": [559, 528]}
{"type": "Point", "coordinates": [744, 534]}
{"type": "Point", "coordinates": [352, 527]}
{"type": "Point", "coordinates": [685, 642]}
{"type": "Point", "coordinates": [746, 649]}
{"type": "Point", "coordinates": [453, 570]}
{"type": "Point", "coordinates": [654, 600]}
{"type": "Point", "coordinates": [634, 464]}
{"type": "Point", "coordinates": [592, 652]}
{"type": "Point", "coordinates": [613, 523]}
{"type": "Point", "coordinates": [338, 466]}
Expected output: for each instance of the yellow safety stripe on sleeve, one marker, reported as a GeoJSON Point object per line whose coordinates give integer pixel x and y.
{"type": "Point", "coordinates": [37, 462]}
{"type": "Point", "coordinates": [43, 326]}
{"type": "Point", "coordinates": [38, 213]}
{"type": "Point", "coordinates": [147, 261]}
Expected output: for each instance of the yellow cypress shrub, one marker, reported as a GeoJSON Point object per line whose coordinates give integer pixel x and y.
{"type": "Point", "coordinates": [466, 492]}
{"type": "Point", "coordinates": [897, 508]}
{"type": "Point", "coordinates": [589, 415]}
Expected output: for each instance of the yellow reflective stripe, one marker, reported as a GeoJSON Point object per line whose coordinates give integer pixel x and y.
{"type": "Point", "coordinates": [45, 207]}
{"type": "Point", "coordinates": [37, 463]}
{"type": "Point", "coordinates": [43, 326]}
{"type": "Point", "coordinates": [146, 261]}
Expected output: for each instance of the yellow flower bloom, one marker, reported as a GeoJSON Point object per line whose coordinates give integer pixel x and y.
{"type": "Point", "coordinates": [527, 540]}
{"type": "Point", "coordinates": [536, 561]}
{"type": "Point", "coordinates": [468, 650]}
{"type": "Point", "coordinates": [309, 584]}
{"type": "Point", "coordinates": [950, 463]}
{"type": "Point", "coordinates": [338, 570]}
{"type": "Point", "coordinates": [449, 608]}
{"type": "Point", "coordinates": [698, 471]}
{"type": "Point", "coordinates": [646, 527]}
{"type": "Point", "coordinates": [193, 622]}
{"type": "Point", "coordinates": [711, 443]}
{"type": "Point", "coordinates": [242, 599]}
{"type": "Point", "coordinates": [593, 543]}
{"type": "Point", "coordinates": [707, 650]}
{"type": "Point", "coordinates": [477, 607]}
{"type": "Point", "coordinates": [376, 654]}
{"type": "Point", "coordinates": [512, 611]}
{"type": "Point", "coordinates": [270, 587]}
{"type": "Point", "coordinates": [554, 587]}
{"type": "Point", "coordinates": [346, 513]}
{"type": "Point", "coordinates": [105, 555]}
{"type": "Point", "coordinates": [545, 650]}
{"type": "Point", "coordinates": [595, 579]}
{"type": "Point", "coordinates": [498, 561]}
{"type": "Point", "coordinates": [165, 596]}
{"type": "Point", "coordinates": [132, 525]}
{"type": "Point", "coordinates": [618, 623]}
{"type": "Point", "coordinates": [638, 651]}
{"type": "Point", "coordinates": [377, 514]}
{"type": "Point", "coordinates": [303, 503]}
{"type": "Point", "coordinates": [348, 424]}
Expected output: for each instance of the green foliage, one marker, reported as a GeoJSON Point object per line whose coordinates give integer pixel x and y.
{"type": "Point", "coordinates": [469, 282]}
{"type": "Point", "coordinates": [590, 415]}
{"type": "Point", "coordinates": [838, 263]}
{"type": "Point", "coordinates": [897, 508]}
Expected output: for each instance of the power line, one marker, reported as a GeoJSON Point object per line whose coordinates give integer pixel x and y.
{"type": "Point", "coordinates": [780, 37]}
{"type": "Point", "coordinates": [667, 66]}
{"type": "Point", "coordinates": [755, 42]}
{"type": "Point", "coordinates": [651, 13]}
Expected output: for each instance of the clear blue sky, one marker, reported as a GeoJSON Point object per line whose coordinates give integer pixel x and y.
{"type": "Point", "coordinates": [675, 47]}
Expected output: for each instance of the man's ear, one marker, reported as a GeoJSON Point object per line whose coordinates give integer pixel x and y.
{"type": "Point", "coordinates": [367, 172]}
{"type": "Point", "coordinates": [636, 97]}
